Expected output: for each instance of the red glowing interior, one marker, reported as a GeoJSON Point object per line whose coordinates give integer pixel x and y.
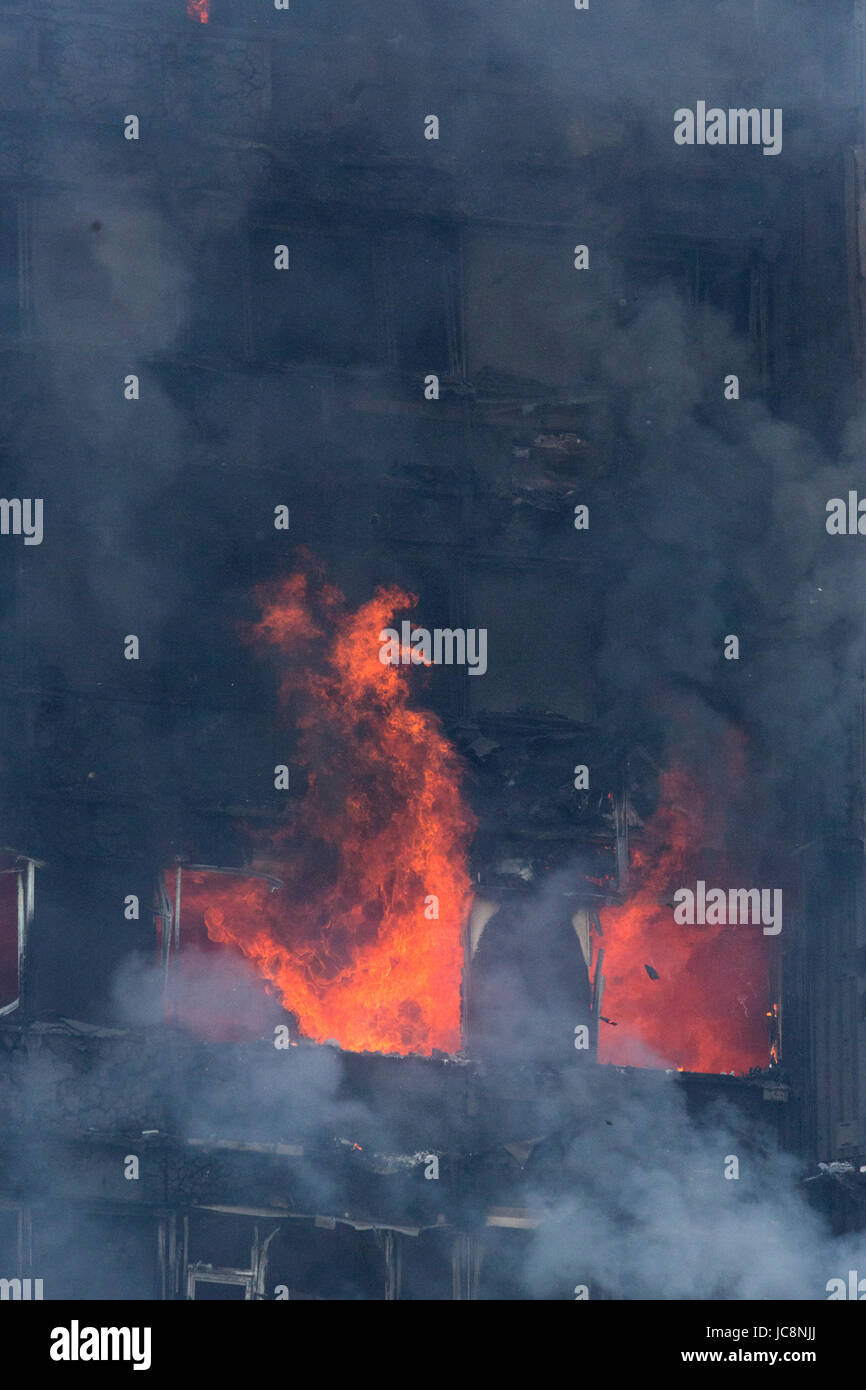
{"type": "Point", "coordinates": [198, 10]}
{"type": "Point", "coordinates": [364, 941]}
{"type": "Point", "coordinates": [707, 1010]}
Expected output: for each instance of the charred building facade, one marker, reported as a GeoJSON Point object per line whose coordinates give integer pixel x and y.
{"type": "Point", "coordinates": [334, 969]}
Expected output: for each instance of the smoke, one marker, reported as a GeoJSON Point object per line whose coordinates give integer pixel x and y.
{"type": "Point", "coordinates": [723, 504]}
{"type": "Point", "coordinates": [215, 995]}
{"type": "Point", "coordinates": [248, 1123]}
{"type": "Point", "coordinates": [643, 1184]}
{"type": "Point", "coordinates": [650, 1214]}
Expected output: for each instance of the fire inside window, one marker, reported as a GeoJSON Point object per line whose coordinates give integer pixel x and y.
{"type": "Point", "coordinates": [219, 983]}
{"type": "Point", "coordinates": [17, 895]}
{"type": "Point", "coordinates": [210, 987]}
{"type": "Point", "coordinates": [199, 10]}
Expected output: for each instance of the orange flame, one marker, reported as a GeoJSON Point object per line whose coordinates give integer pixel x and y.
{"type": "Point", "coordinates": [706, 1009]}
{"type": "Point", "coordinates": [373, 850]}
{"type": "Point", "coordinates": [198, 9]}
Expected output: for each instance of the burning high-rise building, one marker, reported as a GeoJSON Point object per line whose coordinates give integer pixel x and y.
{"type": "Point", "coordinates": [433, 777]}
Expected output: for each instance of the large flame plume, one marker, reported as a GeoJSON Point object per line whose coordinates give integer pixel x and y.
{"type": "Point", "coordinates": [364, 942]}
{"type": "Point", "coordinates": [702, 1004]}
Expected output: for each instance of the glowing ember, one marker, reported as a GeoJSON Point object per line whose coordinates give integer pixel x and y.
{"type": "Point", "coordinates": [198, 9]}
{"type": "Point", "coordinates": [703, 1008]}
{"type": "Point", "coordinates": [351, 943]}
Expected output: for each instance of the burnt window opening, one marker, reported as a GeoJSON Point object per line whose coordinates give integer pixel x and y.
{"type": "Point", "coordinates": [501, 1257]}
{"type": "Point", "coordinates": [324, 308]}
{"type": "Point", "coordinates": [223, 975]}
{"type": "Point", "coordinates": [211, 987]}
{"type": "Point", "coordinates": [215, 327]}
{"type": "Point", "coordinates": [17, 907]}
{"type": "Point", "coordinates": [526, 984]}
{"type": "Point", "coordinates": [328, 1260]}
{"type": "Point", "coordinates": [205, 1283]}
{"type": "Point", "coordinates": [734, 279]}
{"type": "Point", "coordinates": [356, 297]}
{"type": "Point", "coordinates": [420, 270]}
{"type": "Point", "coordinates": [238, 1265]}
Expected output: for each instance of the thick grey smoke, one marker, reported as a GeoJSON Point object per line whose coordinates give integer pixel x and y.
{"type": "Point", "coordinates": [650, 1214]}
